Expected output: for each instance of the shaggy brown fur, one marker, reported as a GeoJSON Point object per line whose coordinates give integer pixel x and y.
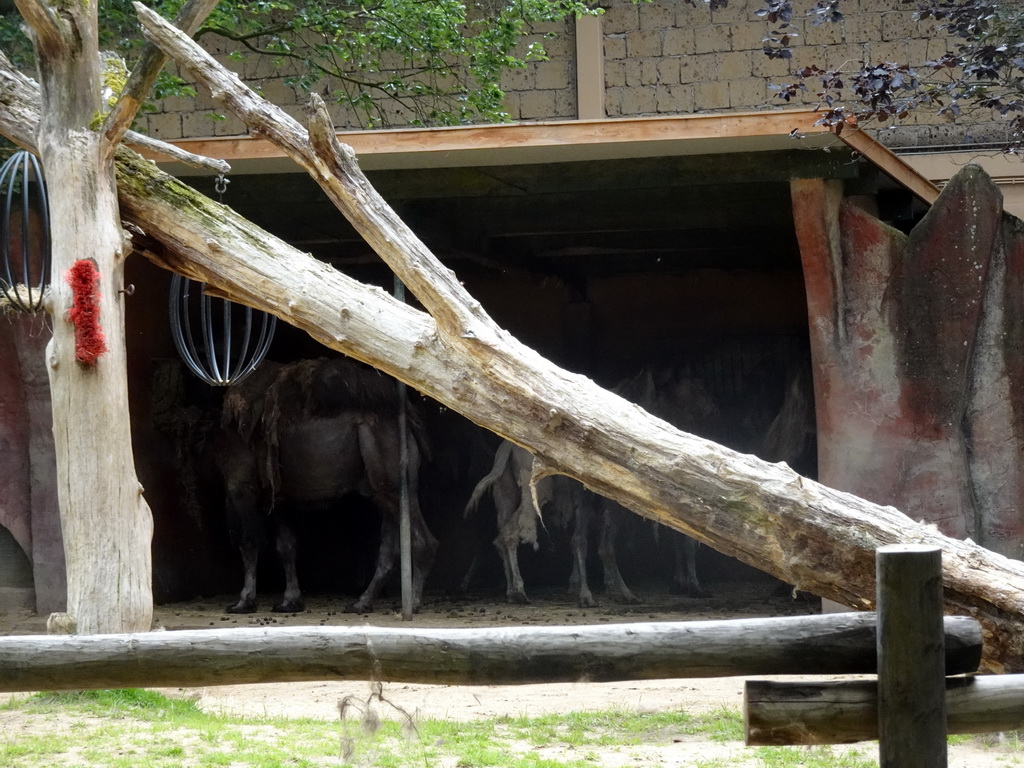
{"type": "Point", "coordinates": [310, 433]}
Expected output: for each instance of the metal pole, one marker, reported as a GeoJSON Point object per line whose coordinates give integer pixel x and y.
{"type": "Point", "coordinates": [911, 658]}
{"type": "Point", "coordinates": [405, 526]}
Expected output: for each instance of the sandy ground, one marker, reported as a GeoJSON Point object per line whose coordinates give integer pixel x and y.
{"type": "Point", "coordinates": [321, 700]}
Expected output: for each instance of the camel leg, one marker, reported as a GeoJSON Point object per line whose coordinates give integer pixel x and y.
{"type": "Point", "coordinates": [684, 555]}
{"type": "Point", "coordinates": [470, 574]}
{"type": "Point", "coordinates": [424, 544]}
{"type": "Point", "coordinates": [247, 599]}
{"type": "Point", "coordinates": [287, 550]}
{"type": "Point", "coordinates": [515, 526]}
{"type": "Point", "coordinates": [387, 556]}
{"type": "Point", "coordinates": [578, 582]}
{"type": "Point", "coordinates": [246, 519]}
{"type": "Point", "coordinates": [613, 581]}
{"type": "Point", "coordinates": [515, 587]}
{"type": "Point", "coordinates": [424, 547]}
{"type": "Point", "coordinates": [379, 449]}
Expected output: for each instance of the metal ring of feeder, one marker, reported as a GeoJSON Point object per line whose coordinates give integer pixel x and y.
{"type": "Point", "coordinates": [22, 287]}
{"type": "Point", "coordinates": [212, 359]}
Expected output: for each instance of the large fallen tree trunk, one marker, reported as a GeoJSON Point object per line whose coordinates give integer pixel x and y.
{"type": "Point", "coordinates": [766, 515]}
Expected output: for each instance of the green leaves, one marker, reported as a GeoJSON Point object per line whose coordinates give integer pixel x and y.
{"type": "Point", "coordinates": [405, 62]}
{"type": "Point", "coordinates": [980, 77]}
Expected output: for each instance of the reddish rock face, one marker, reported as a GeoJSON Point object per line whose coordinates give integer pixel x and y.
{"type": "Point", "coordinates": [15, 507]}
{"type": "Point", "coordinates": [28, 486]}
{"type": "Point", "coordinates": [916, 344]}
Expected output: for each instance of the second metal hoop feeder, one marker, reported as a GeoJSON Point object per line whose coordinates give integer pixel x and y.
{"type": "Point", "coordinates": [216, 337]}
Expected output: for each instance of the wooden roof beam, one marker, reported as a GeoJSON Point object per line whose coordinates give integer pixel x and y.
{"type": "Point", "coordinates": [515, 143]}
{"type": "Point", "coordinates": [891, 164]}
{"type": "Point", "coordinates": [543, 141]}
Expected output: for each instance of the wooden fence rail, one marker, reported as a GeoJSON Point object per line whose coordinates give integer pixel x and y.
{"type": "Point", "coordinates": [913, 705]}
{"type": "Point", "coordinates": [911, 647]}
{"type": "Point", "coordinates": [847, 711]}
{"type": "Point", "coordinates": [829, 644]}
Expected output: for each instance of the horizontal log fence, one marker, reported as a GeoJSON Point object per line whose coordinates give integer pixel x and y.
{"type": "Point", "coordinates": [829, 644]}
{"type": "Point", "coordinates": [920, 694]}
{"type": "Point", "coordinates": [912, 706]}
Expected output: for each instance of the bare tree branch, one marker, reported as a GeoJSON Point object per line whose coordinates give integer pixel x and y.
{"type": "Point", "coordinates": [20, 97]}
{"type": "Point", "coordinates": [169, 150]}
{"type": "Point", "coordinates": [48, 29]}
{"type": "Point", "coordinates": [146, 71]}
{"type": "Point", "coordinates": [333, 166]}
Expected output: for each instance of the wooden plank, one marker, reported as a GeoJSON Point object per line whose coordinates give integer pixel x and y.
{"type": "Point", "coordinates": [641, 174]}
{"type": "Point", "coordinates": [911, 685]}
{"type": "Point", "coordinates": [737, 125]}
{"type": "Point", "coordinates": [891, 164]}
{"type": "Point", "coordinates": [838, 643]}
{"type": "Point", "coordinates": [589, 68]}
{"type": "Point", "coordinates": [844, 712]}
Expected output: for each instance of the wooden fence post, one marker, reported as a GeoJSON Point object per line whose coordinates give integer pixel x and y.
{"type": "Point", "coordinates": [911, 666]}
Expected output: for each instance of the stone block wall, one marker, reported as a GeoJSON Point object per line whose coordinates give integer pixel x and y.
{"type": "Point", "coordinates": [542, 90]}
{"type": "Point", "coordinates": [665, 57]}
{"type": "Point", "coordinates": [671, 57]}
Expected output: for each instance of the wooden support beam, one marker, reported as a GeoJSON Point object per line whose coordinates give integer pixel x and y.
{"type": "Point", "coordinates": [833, 644]}
{"type": "Point", "coordinates": [846, 712]}
{"type": "Point", "coordinates": [891, 164]}
{"type": "Point", "coordinates": [589, 68]}
{"type": "Point", "coordinates": [604, 134]}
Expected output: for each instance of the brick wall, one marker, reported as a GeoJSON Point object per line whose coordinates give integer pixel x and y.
{"type": "Point", "coordinates": [543, 90]}
{"type": "Point", "coordinates": [665, 57]}
{"type": "Point", "coordinates": [668, 57]}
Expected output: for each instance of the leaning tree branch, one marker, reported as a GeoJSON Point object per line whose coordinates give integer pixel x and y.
{"type": "Point", "coordinates": [48, 29]}
{"type": "Point", "coordinates": [763, 514]}
{"type": "Point", "coordinates": [19, 105]}
{"type": "Point", "coordinates": [333, 166]}
{"type": "Point", "coordinates": [147, 69]}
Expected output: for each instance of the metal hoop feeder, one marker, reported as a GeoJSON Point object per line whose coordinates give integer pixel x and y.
{"type": "Point", "coordinates": [25, 275]}
{"type": "Point", "coordinates": [227, 350]}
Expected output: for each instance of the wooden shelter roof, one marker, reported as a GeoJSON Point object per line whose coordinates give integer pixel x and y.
{"type": "Point", "coordinates": [698, 190]}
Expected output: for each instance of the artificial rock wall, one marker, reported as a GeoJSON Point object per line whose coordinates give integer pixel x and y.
{"type": "Point", "coordinates": [916, 345]}
{"type": "Point", "coordinates": [28, 485]}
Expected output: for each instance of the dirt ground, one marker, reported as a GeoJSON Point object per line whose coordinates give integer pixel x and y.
{"type": "Point", "coordinates": [320, 700]}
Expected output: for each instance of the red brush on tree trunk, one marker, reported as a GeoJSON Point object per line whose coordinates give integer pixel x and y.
{"type": "Point", "coordinates": [84, 279]}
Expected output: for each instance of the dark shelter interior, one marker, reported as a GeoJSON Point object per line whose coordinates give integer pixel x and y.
{"type": "Point", "coordinates": [686, 266]}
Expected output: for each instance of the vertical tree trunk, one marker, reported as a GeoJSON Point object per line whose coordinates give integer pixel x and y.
{"type": "Point", "coordinates": [106, 522]}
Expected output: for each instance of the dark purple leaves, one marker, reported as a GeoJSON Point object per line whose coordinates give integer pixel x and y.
{"type": "Point", "coordinates": [982, 71]}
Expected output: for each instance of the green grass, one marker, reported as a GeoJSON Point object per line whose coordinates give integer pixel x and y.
{"type": "Point", "coordinates": [129, 728]}
{"type": "Point", "coordinates": [123, 702]}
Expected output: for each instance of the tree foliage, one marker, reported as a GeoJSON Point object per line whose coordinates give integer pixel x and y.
{"type": "Point", "coordinates": [980, 77]}
{"type": "Point", "coordinates": [417, 62]}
